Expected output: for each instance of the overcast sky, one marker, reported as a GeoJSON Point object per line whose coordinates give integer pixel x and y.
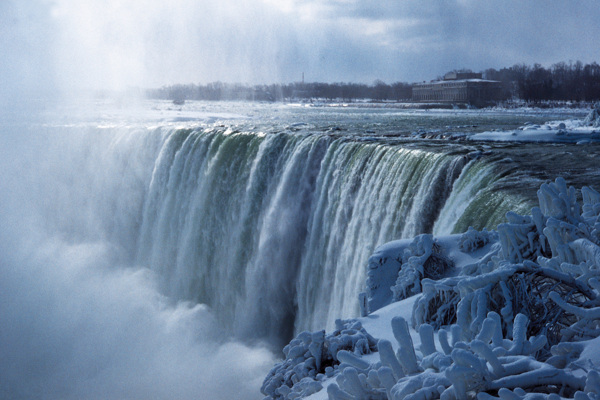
{"type": "Point", "coordinates": [115, 43]}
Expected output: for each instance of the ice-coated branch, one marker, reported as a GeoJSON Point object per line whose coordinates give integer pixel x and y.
{"type": "Point", "coordinates": [541, 377]}
{"type": "Point", "coordinates": [557, 276]}
{"type": "Point", "coordinates": [485, 351]}
{"type": "Point", "coordinates": [347, 358]}
{"type": "Point", "coordinates": [473, 239]}
{"type": "Point", "coordinates": [406, 350]}
{"type": "Point", "coordinates": [312, 357]}
{"type": "Point", "coordinates": [427, 342]}
{"type": "Point", "coordinates": [519, 334]}
{"type": "Point", "coordinates": [335, 393]}
{"type": "Point", "coordinates": [388, 358]}
{"type": "Point", "coordinates": [443, 338]}
{"type": "Point", "coordinates": [486, 365]}
{"type": "Point", "coordinates": [422, 259]}
{"type": "Point", "coordinates": [558, 201]}
{"type": "Point", "coordinates": [587, 313]}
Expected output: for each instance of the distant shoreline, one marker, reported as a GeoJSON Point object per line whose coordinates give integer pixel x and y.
{"type": "Point", "coordinates": [407, 105]}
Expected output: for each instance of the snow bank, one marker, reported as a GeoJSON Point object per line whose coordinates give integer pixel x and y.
{"type": "Point", "coordinates": [510, 314]}
{"type": "Point", "coordinates": [569, 131]}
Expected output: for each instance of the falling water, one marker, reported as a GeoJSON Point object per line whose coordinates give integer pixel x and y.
{"type": "Point", "coordinates": [272, 230]}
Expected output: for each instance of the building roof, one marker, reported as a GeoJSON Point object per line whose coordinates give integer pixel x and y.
{"type": "Point", "coordinates": [455, 81]}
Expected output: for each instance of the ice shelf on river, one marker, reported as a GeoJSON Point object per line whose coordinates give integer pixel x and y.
{"type": "Point", "coordinates": [580, 131]}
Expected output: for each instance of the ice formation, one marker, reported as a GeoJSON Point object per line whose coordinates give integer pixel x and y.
{"type": "Point", "coordinates": [474, 239]}
{"type": "Point", "coordinates": [580, 131]}
{"type": "Point", "coordinates": [511, 325]}
{"type": "Point", "coordinates": [593, 118]}
{"type": "Point", "coordinates": [410, 263]}
{"type": "Point", "coordinates": [488, 363]}
{"type": "Point", "coordinates": [312, 357]}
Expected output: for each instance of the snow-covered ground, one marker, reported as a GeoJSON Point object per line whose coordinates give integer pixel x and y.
{"type": "Point", "coordinates": [568, 131]}
{"type": "Point", "coordinates": [512, 313]}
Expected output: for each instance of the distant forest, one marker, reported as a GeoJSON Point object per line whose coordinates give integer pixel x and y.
{"type": "Point", "coordinates": [561, 82]}
{"type": "Point", "coordinates": [348, 92]}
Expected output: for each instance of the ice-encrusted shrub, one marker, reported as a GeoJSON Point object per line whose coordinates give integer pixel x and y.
{"type": "Point", "coordinates": [510, 290]}
{"type": "Point", "coordinates": [490, 364]}
{"type": "Point", "coordinates": [591, 210]}
{"type": "Point", "coordinates": [438, 303]}
{"type": "Point", "coordinates": [553, 250]}
{"type": "Point", "coordinates": [473, 239]}
{"type": "Point", "coordinates": [311, 357]}
{"type": "Point", "coordinates": [423, 259]}
{"type": "Point", "coordinates": [405, 264]}
{"type": "Point", "coordinates": [552, 226]}
{"type": "Point", "coordinates": [522, 237]}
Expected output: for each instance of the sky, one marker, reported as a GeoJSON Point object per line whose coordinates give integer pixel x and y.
{"type": "Point", "coordinates": [64, 45]}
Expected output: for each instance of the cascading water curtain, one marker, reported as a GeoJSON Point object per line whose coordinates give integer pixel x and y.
{"type": "Point", "coordinates": [273, 231]}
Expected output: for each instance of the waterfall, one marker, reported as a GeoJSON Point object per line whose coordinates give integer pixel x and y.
{"type": "Point", "coordinates": [475, 178]}
{"type": "Point", "coordinates": [476, 201]}
{"type": "Point", "coordinates": [366, 195]}
{"type": "Point", "coordinates": [273, 230]}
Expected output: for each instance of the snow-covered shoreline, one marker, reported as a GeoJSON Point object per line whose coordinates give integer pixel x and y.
{"type": "Point", "coordinates": [580, 131]}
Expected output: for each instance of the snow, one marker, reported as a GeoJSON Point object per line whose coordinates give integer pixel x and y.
{"type": "Point", "coordinates": [515, 314]}
{"type": "Point", "coordinates": [568, 131]}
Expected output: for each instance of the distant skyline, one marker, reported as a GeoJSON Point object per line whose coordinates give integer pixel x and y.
{"type": "Point", "coordinates": [112, 44]}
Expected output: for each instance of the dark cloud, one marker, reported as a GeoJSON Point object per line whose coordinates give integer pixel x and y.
{"type": "Point", "coordinates": [109, 44]}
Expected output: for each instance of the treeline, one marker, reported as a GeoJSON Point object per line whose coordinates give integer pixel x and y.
{"type": "Point", "coordinates": [348, 92]}
{"type": "Point", "coordinates": [560, 82]}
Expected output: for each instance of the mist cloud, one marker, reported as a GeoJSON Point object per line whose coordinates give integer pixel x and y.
{"type": "Point", "coordinates": [71, 329]}
{"type": "Point", "coordinates": [78, 320]}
